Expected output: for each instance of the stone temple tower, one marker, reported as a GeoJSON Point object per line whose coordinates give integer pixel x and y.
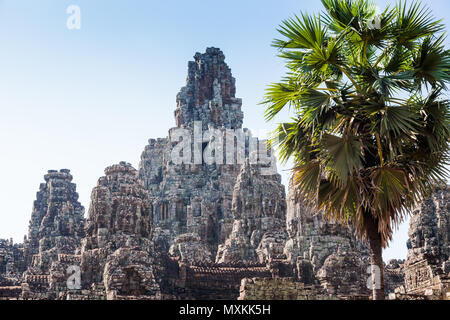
{"type": "Point", "coordinates": [209, 94]}
{"type": "Point", "coordinates": [192, 202]}
{"type": "Point", "coordinates": [57, 221]}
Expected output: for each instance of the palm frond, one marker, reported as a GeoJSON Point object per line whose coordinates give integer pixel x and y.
{"type": "Point", "coordinates": [348, 14]}
{"type": "Point", "coordinates": [278, 95]}
{"type": "Point", "coordinates": [303, 32]}
{"type": "Point", "coordinates": [371, 132]}
{"type": "Point", "coordinates": [414, 22]}
{"type": "Point", "coordinates": [431, 63]}
{"type": "Point", "coordinates": [343, 154]}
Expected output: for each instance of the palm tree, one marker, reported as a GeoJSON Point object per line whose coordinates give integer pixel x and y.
{"type": "Point", "coordinates": [370, 131]}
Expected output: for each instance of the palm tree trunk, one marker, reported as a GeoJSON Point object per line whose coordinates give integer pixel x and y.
{"type": "Point", "coordinates": [376, 257]}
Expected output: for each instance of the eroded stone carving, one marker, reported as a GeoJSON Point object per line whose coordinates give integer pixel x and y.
{"type": "Point", "coordinates": [192, 202]}
{"type": "Point", "coordinates": [56, 228]}
{"type": "Point", "coordinates": [339, 261]}
{"type": "Point", "coordinates": [116, 253]}
{"type": "Point", "coordinates": [258, 209]}
{"type": "Point", "coordinates": [428, 260]}
{"type": "Point", "coordinates": [194, 229]}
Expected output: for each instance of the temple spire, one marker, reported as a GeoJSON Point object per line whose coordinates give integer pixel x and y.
{"type": "Point", "coordinates": [209, 94]}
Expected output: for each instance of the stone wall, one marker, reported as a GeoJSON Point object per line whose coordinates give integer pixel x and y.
{"type": "Point", "coordinates": [10, 292]}
{"type": "Point", "coordinates": [212, 281]}
{"type": "Point", "coordinates": [394, 275]}
{"type": "Point", "coordinates": [280, 289]}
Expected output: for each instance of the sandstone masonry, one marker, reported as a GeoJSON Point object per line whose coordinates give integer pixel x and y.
{"type": "Point", "coordinates": [195, 229]}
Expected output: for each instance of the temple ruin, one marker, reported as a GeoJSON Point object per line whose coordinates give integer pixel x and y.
{"type": "Point", "coordinates": [205, 216]}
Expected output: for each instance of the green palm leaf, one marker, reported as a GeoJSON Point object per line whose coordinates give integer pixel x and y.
{"type": "Point", "coordinates": [371, 128]}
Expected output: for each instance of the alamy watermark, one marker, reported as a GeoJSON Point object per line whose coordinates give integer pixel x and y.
{"type": "Point", "coordinates": [374, 281]}
{"type": "Point", "coordinates": [74, 278]}
{"type": "Point", "coordinates": [197, 146]}
{"type": "Point", "coordinates": [375, 23]}
{"type": "Point", "coordinates": [74, 19]}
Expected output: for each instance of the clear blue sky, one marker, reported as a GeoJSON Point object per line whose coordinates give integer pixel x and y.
{"type": "Point", "coordinates": [85, 99]}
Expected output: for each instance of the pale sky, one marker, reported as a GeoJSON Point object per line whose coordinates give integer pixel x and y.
{"type": "Point", "coordinates": [85, 99]}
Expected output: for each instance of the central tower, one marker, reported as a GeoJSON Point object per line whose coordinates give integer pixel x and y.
{"type": "Point", "coordinates": [209, 94]}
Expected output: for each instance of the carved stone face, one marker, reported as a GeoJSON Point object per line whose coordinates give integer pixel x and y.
{"type": "Point", "coordinates": [415, 240]}
{"type": "Point", "coordinates": [268, 206]}
{"type": "Point", "coordinates": [292, 228]}
{"type": "Point", "coordinates": [125, 221]}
